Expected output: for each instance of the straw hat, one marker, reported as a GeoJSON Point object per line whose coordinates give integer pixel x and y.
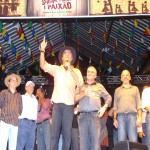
{"type": "Point", "coordinates": [73, 51]}
{"type": "Point", "coordinates": [7, 79]}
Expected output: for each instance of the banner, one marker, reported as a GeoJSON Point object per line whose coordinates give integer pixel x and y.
{"type": "Point", "coordinates": [76, 8]}
{"type": "Point", "coordinates": [57, 8]}
{"type": "Point", "coordinates": [119, 7]}
{"type": "Point", "coordinates": [13, 8]}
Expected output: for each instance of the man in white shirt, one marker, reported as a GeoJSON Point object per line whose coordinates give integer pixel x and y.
{"type": "Point", "coordinates": [146, 106]}
{"type": "Point", "coordinates": [27, 120]}
{"type": "Point", "coordinates": [66, 78]}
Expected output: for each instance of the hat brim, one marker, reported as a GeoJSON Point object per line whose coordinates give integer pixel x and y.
{"type": "Point", "coordinates": [73, 51]}
{"type": "Point", "coordinates": [7, 79]}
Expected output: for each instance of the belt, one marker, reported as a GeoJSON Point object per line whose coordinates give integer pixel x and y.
{"type": "Point", "coordinates": [88, 111]}
{"type": "Point", "coordinates": [29, 119]}
{"type": "Point", "coordinates": [43, 121]}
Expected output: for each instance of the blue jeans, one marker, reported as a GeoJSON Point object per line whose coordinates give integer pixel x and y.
{"type": "Point", "coordinates": [127, 129]}
{"type": "Point", "coordinates": [26, 134]}
{"type": "Point", "coordinates": [43, 135]}
{"type": "Point", "coordinates": [148, 130]}
{"type": "Point", "coordinates": [60, 142]}
{"type": "Point", "coordinates": [144, 130]}
{"type": "Point", "coordinates": [75, 144]}
{"type": "Point", "coordinates": [89, 130]}
{"type": "Point", "coordinates": [62, 117]}
{"type": "Point", "coordinates": [115, 136]}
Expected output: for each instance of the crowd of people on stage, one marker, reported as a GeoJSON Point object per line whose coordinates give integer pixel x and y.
{"type": "Point", "coordinates": [80, 115]}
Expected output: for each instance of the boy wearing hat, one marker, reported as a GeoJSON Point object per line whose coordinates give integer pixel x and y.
{"type": "Point", "coordinates": [66, 78]}
{"type": "Point", "coordinates": [27, 119]}
{"type": "Point", "coordinates": [11, 108]}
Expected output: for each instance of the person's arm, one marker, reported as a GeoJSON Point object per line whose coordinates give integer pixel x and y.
{"type": "Point", "coordinates": [76, 74]}
{"type": "Point", "coordinates": [115, 123]}
{"type": "Point", "coordinates": [115, 119]}
{"type": "Point", "coordinates": [20, 105]}
{"type": "Point", "coordinates": [139, 108]}
{"type": "Point", "coordinates": [42, 52]}
{"type": "Point", "coordinates": [107, 98]}
{"type": "Point", "coordinates": [79, 94]}
{"type": "Point", "coordinates": [2, 98]}
{"type": "Point", "coordinates": [139, 119]}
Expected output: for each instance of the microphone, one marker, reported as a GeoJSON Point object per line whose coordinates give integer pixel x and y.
{"type": "Point", "coordinates": [65, 66]}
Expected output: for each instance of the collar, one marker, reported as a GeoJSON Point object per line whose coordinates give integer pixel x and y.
{"type": "Point", "coordinates": [11, 91]}
{"type": "Point", "coordinates": [126, 87]}
{"type": "Point", "coordinates": [94, 83]}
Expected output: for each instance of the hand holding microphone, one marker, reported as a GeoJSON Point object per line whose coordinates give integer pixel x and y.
{"type": "Point", "coordinates": [67, 65]}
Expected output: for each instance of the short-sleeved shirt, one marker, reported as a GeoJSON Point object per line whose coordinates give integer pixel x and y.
{"type": "Point", "coordinates": [127, 100]}
{"type": "Point", "coordinates": [64, 83]}
{"type": "Point", "coordinates": [11, 106]}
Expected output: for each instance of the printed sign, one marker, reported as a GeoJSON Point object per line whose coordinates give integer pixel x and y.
{"type": "Point", "coordinates": [13, 8]}
{"type": "Point", "coordinates": [57, 8]}
{"type": "Point", "coordinates": [119, 7]}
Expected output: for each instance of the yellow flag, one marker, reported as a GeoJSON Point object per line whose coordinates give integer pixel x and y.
{"type": "Point", "coordinates": [3, 67]}
{"type": "Point", "coordinates": [22, 37]}
{"type": "Point", "coordinates": [44, 26]}
{"type": "Point", "coordinates": [53, 54]}
{"type": "Point", "coordinates": [17, 54]}
{"type": "Point", "coordinates": [110, 63]}
{"type": "Point", "coordinates": [148, 30]}
{"type": "Point", "coordinates": [116, 42]}
{"type": "Point", "coordinates": [135, 23]}
{"type": "Point", "coordinates": [4, 32]}
{"type": "Point", "coordinates": [90, 30]}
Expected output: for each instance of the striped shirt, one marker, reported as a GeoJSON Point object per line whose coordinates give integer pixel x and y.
{"type": "Point", "coordinates": [11, 106]}
{"type": "Point", "coordinates": [93, 102]}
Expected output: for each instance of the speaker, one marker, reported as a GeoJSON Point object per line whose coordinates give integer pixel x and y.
{"type": "Point", "coordinates": [128, 145]}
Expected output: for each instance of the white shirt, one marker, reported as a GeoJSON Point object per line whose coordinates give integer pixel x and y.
{"type": "Point", "coordinates": [64, 83]}
{"type": "Point", "coordinates": [30, 107]}
{"type": "Point", "coordinates": [146, 97]}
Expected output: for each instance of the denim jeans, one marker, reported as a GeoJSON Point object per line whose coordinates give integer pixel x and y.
{"type": "Point", "coordinates": [127, 129]}
{"type": "Point", "coordinates": [43, 135]}
{"type": "Point", "coordinates": [148, 130]}
{"type": "Point", "coordinates": [144, 130]}
{"type": "Point", "coordinates": [115, 136]}
{"type": "Point", "coordinates": [89, 130]}
{"type": "Point", "coordinates": [8, 132]}
{"type": "Point", "coordinates": [60, 142]}
{"type": "Point", "coordinates": [62, 117]}
{"type": "Point", "coordinates": [75, 144]}
{"type": "Point", "coordinates": [26, 134]}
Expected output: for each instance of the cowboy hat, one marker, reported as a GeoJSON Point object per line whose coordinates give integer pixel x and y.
{"type": "Point", "coordinates": [73, 51]}
{"type": "Point", "coordinates": [7, 79]}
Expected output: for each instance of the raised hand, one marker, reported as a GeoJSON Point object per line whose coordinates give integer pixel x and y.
{"type": "Point", "coordinates": [43, 44]}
